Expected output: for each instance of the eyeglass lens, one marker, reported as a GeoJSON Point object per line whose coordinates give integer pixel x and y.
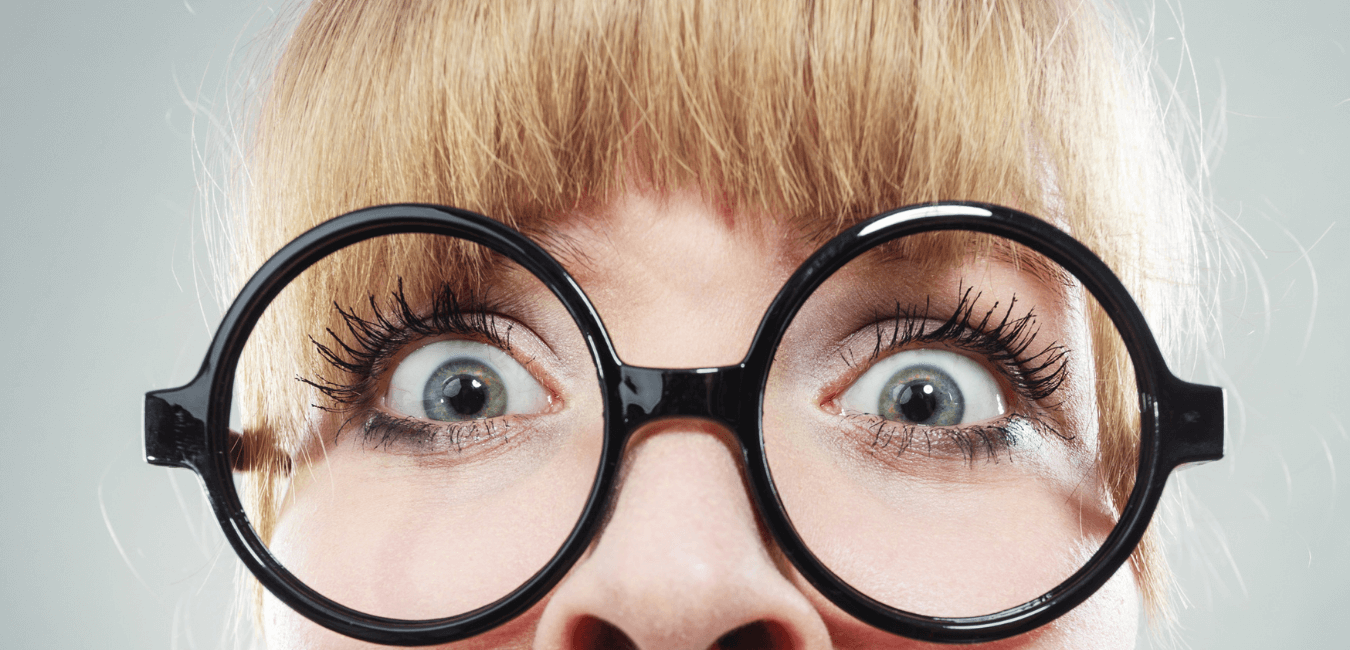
{"type": "Point", "coordinates": [456, 433]}
{"type": "Point", "coordinates": [933, 424]}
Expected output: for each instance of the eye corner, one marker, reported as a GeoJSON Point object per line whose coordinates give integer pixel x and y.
{"type": "Point", "coordinates": [830, 404]}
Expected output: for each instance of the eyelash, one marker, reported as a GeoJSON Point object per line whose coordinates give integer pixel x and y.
{"type": "Point", "coordinates": [1035, 377]}
{"type": "Point", "coordinates": [377, 339]}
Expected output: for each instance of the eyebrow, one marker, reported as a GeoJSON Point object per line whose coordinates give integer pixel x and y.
{"type": "Point", "coordinates": [1020, 257]}
{"type": "Point", "coordinates": [566, 250]}
{"type": "Point", "coordinates": [1038, 265]}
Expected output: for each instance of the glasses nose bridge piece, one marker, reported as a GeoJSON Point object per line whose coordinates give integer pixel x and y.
{"type": "Point", "coordinates": [649, 394]}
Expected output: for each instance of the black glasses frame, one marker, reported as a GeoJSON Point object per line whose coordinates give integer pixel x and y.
{"type": "Point", "coordinates": [188, 426]}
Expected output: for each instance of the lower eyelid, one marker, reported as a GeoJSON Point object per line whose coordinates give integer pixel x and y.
{"type": "Point", "coordinates": [1005, 438]}
{"type": "Point", "coordinates": [390, 433]}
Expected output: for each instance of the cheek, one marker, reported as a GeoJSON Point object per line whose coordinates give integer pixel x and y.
{"type": "Point", "coordinates": [283, 629]}
{"type": "Point", "coordinates": [1109, 620]}
{"type": "Point", "coordinates": [939, 551]}
{"type": "Point", "coordinates": [394, 538]}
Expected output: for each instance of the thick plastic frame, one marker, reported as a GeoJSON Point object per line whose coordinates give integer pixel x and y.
{"type": "Point", "coordinates": [188, 426]}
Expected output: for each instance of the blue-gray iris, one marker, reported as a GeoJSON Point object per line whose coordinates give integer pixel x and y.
{"type": "Point", "coordinates": [922, 394]}
{"type": "Point", "coordinates": [464, 389]}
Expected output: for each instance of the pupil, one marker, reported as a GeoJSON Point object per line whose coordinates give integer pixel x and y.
{"type": "Point", "coordinates": [917, 401]}
{"type": "Point", "coordinates": [465, 394]}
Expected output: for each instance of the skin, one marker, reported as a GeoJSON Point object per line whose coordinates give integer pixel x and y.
{"type": "Point", "coordinates": [684, 562]}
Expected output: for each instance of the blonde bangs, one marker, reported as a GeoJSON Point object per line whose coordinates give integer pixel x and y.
{"type": "Point", "coordinates": [814, 111]}
{"type": "Point", "coordinates": [820, 113]}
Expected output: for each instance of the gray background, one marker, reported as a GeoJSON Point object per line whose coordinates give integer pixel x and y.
{"type": "Point", "coordinates": [101, 254]}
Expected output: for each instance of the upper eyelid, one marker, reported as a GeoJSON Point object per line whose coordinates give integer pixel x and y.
{"type": "Point", "coordinates": [406, 348]}
{"type": "Point", "coordinates": [516, 352]}
{"type": "Point", "coordinates": [1002, 369]}
{"type": "Point", "coordinates": [874, 358]}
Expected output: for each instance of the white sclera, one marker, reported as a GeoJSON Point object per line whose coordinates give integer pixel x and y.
{"type": "Point", "coordinates": [983, 399]}
{"type": "Point", "coordinates": [523, 392]}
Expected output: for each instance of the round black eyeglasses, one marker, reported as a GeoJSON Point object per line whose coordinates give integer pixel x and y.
{"type": "Point", "coordinates": [952, 401]}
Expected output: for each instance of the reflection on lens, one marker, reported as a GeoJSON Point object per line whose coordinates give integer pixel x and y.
{"type": "Point", "coordinates": [432, 428]}
{"type": "Point", "coordinates": [932, 423]}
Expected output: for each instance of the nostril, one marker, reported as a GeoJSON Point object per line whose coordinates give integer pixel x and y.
{"type": "Point", "coordinates": [754, 636]}
{"type": "Point", "coordinates": [593, 633]}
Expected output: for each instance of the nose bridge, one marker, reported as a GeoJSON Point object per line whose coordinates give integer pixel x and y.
{"type": "Point", "coordinates": [681, 560]}
{"type": "Point", "coordinates": [649, 394]}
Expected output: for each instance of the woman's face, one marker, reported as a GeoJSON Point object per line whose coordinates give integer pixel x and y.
{"type": "Point", "coordinates": [683, 561]}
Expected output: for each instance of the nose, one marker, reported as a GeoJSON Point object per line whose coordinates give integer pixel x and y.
{"type": "Point", "coordinates": [683, 562]}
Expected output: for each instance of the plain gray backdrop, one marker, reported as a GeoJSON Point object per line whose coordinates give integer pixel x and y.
{"type": "Point", "coordinates": [103, 298]}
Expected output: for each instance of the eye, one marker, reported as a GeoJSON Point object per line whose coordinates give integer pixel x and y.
{"type": "Point", "coordinates": [927, 387]}
{"type": "Point", "coordinates": [451, 381]}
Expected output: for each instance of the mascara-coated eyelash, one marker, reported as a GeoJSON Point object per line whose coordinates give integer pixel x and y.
{"type": "Point", "coordinates": [375, 340]}
{"type": "Point", "coordinates": [1002, 339]}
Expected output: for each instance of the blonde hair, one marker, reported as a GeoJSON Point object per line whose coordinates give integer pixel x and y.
{"type": "Point", "coordinates": [818, 112]}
